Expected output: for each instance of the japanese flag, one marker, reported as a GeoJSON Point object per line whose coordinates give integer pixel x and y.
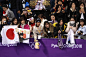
{"type": "Point", "coordinates": [9, 36]}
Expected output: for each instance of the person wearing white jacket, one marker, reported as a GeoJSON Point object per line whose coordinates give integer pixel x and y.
{"type": "Point", "coordinates": [71, 29]}
{"type": "Point", "coordinates": [37, 29]}
{"type": "Point", "coordinates": [81, 30]}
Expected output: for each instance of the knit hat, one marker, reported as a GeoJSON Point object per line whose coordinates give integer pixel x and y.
{"type": "Point", "coordinates": [38, 20]}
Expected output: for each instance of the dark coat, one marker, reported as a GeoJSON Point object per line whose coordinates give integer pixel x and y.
{"type": "Point", "coordinates": [61, 15]}
{"type": "Point", "coordinates": [63, 28]}
{"type": "Point", "coordinates": [79, 15]}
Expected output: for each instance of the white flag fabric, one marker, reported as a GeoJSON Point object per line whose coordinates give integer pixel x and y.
{"type": "Point", "coordinates": [70, 37]}
{"type": "Point", "coordinates": [82, 16]}
{"type": "Point", "coordinates": [12, 35]}
{"type": "Point", "coordinates": [24, 35]}
{"type": "Point", "coordinates": [9, 36]}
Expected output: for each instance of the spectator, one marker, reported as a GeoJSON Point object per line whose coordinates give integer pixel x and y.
{"type": "Point", "coordinates": [23, 24]}
{"type": "Point", "coordinates": [25, 14]}
{"type": "Point", "coordinates": [60, 13]}
{"type": "Point", "coordinates": [60, 28]}
{"type": "Point", "coordinates": [73, 10]}
{"type": "Point", "coordinates": [48, 30]}
{"type": "Point", "coordinates": [3, 22]}
{"type": "Point", "coordinates": [82, 29]}
{"type": "Point", "coordinates": [82, 11]}
{"type": "Point", "coordinates": [14, 22]}
{"type": "Point", "coordinates": [71, 29]}
{"type": "Point", "coordinates": [54, 21]}
{"type": "Point", "coordinates": [69, 2]}
{"type": "Point", "coordinates": [8, 13]}
{"type": "Point", "coordinates": [58, 2]}
{"type": "Point", "coordinates": [38, 29]}
{"type": "Point", "coordinates": [32, 24]}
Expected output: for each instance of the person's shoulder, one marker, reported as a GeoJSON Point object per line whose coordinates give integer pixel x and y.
{"type": "Point", "coordinates": [85, 26]}
{"type": "Point", "coordinates": [68, 22]}
{"type": "Point", "coordinates": [45, 20]}
{"type": "Point", "coordinates": [34, 27]}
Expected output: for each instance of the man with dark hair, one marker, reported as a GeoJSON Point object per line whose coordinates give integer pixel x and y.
{"type": "Point", "coordinates": [38, 29]}
{"type": "Point", "coordinates": [8, 13]}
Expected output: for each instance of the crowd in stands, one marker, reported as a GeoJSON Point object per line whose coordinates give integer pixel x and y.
{"type": "Point", "coordinates": [65, 15]}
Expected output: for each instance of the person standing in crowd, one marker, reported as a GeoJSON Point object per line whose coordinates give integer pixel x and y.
{"type": "Point", "coordinates": [60, 13]}
{"type": "Point", "coordinates": [71, 29]}
{"type": "Point", "coordinates": [54, 21]}
{"type": "Point", "coordinates": [82, 29]}
{"type": "Point", "coordinates": [82, 11]}
{"type": "Point", "coordinates": [31, 23]}
{"type": "Point", "coordinates": [14, 21]}
{"type": "Point", "coordinates": [8, 13]}
{"type": "Point", "coordinates": [60, 28]}
{"type": "Point", "coordinates": [40, 16]}
{"type": "Point", "coordinates": [48, 30]}
{"type": "Point", "coordinates": [23, 24]}
{"type": "Point", "coordinates": [69, 2]}
{"type": "Point", "coordinates": [24, 14]}
{"type": "Point", "coordinates": [73, 11]}
{"type": "Point", "coordinates": [38, 30]}
{"type": "Point", "coordinates": [3, 22]}
{"type": "Point", "coordinates": [58, 2]}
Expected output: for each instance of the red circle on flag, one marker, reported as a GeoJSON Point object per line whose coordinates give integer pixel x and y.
{"type": "Point", "coordinates": [10, 34]}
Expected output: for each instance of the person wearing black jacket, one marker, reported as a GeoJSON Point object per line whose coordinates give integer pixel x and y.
{"type": "Point", "coordinates": [68, 3]}
{"type": "Point", "coordinates": [3, 22]}
{"type": "Point", "coordinates": [60, 13]}
{"type": "Point", "coordinates": [82, 12]}
{"type": "Point", "coordinates": [73, 11]}
{"type": "Point", "coordinates": [60, 29]}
